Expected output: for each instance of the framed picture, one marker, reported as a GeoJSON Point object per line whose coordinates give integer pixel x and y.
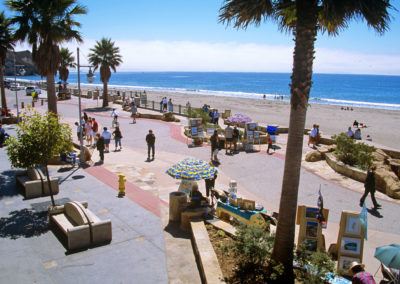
{"type": "Point", "coordinates": [353, 225]}
{"type": "Point", "coordinates": [350, 245]}
{"type": "Point", "coordinates": [311, 229]}
{"type": "Point", "coordinates": [194, 131]}
{"type": "Point", "coordinates": [345, 261]}
{"type": "Point", "coordinates": [311, 212]}
{"type": "Point", "coordinates": [311, 244]}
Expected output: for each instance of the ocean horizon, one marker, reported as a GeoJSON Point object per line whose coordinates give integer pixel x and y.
{"type": "Point", "coordinates": [373, 91]}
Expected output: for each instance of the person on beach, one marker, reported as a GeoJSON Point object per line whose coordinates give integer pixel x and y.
{"type": "Point", "coordinates": [357, 134]}
{"type": "Point", "coordinates": [133, 111]}
{"type": "Point", "coordinates": [170, 106]}
{"type": "Point", "coordinates": [117, 137]}
{"type": "Point", "coordinates": [355, 123]}
{"type": "Point", "coordinates": [100, 146]}
{"type": "Point", "coordinates": [150, 140]}
{"type": "Point", "coordinates": [214, 146]}
{"type": "Point", "coordinates": [107, 139]}
{"type": "Point", "coordinates": [228, 139]}
{"type": "Point", "coordinates": [188, 107]}
{"type": "Point", "coordinates": [359, 275]}
{"type": "Point", "coordinates": [350, 132]}
{"type": "Point", "coordinates": [369, 187]}
{"type": "Point", "coordinates": [314, 136]}
{"type": "Point", "coordinates": [235, 138]}
{"type": "Point", "coordinates": [164, 104]}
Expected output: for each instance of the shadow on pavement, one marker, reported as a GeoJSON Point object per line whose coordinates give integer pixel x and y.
{"type": "Point", "coordinates": [24, 223]}
{"type": "Point", "coordinates": [375, 213]}
{"type": "Point", "coordinates": [7, 184]}
{"type": "Point", "coordinates": [97, 109]}
{"type": "Point", "coordinates": [174, 230]}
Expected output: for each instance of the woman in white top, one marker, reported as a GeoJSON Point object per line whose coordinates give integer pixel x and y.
{"type": "Point", "coordinates": [89, 131]}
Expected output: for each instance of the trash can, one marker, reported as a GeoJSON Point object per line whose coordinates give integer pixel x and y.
{"type": "Point", "coordinates": [177, 203]}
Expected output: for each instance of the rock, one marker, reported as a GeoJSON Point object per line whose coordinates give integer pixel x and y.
{"type": "Point", "coordinates": [314, 156]}
{"type": "Point", "coordinates": [326, 149]}
{"type": "Point", "coordinates": [380, 156]}
{"type": "Point", "coordinates": [387, 182]}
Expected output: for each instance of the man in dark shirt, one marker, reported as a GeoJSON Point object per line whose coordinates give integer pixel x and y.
{"type": "Point", "coordinates": [100, 146]}
{"type": "Point", "coordinates": [369, 187]}
{"type": "Point", "coordinates": [151, 140]}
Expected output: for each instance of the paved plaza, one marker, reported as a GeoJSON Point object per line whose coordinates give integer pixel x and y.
{"type": "Point", "coordinates": [144, 249]}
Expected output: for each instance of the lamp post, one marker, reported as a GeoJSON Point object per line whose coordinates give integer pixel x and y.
{"type": "Point", "coordinates": [15, 86]}
{"type": "Point", "coordinates": [82, 156]}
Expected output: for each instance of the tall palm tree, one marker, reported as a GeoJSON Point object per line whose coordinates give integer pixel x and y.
{"type": "Point", "coordinates": [67, 60]}
{"type": "Point", "coordinates": [45, 24]}
{"type": "Point", "coordinates": [6, 43]}
{"type": "Point", "coordinates": [304, 18]}
{"type": "Point", "coordinates": [106, 56]}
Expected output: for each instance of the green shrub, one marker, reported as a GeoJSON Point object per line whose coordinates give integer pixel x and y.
{"type": "Point", "coordinates": [352, 153]}
{"type": "Point", "coordinates": [314, 266]}
{"type": "Point", "coordinates": [252, 247]}
{"type": "Point", "coordinates": [198, 113]}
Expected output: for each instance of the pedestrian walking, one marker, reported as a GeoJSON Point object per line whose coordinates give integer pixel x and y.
{"type": "Point", "coordinates": [117, 137]}
{"type": "Point", "coordinates": [133, 111]}
{"type": "Point", "coordinates": [228, 139]}
{"type": "Point", "coordinates": [78, 130]}
{"type": "Point", "coordinates": [170, 106]}
{"type": "Point", "coordinates": [269, 142]}
{"type": "Point", "coordinates": [214, 146]}
{"type": "Point", "coordinates": [114, 115]}
{"type": "Point", "coordinates": [369, 187]}
{"type": "Point", "coordinates": [107, 138]}
{"type": "Point", "coordinates": [235, 138]}
{"type": "Point", "coordinates": [89, 132]}
{"type": "Point", "coordinates": [100, 146]}
{"type": "Point", "coordinates": [210, 184]}
{"type": "Point", "coordinates": [95, 126]}
{"type": "Point", "coordinates": [150, 140]}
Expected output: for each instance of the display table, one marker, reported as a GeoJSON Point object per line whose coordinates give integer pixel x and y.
{"type": "Point", "coordinates": [248, 217]}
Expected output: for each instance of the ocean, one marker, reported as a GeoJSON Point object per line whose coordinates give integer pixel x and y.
{"type": "Point", "coordinates": [374, 91]}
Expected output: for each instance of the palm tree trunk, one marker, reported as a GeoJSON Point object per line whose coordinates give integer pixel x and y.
{"type": "Point", "coordinates": [105, 94]}
{"type": "Point", "coordinates": [51, 93]}
{"type": "Point", "coordinates": [305, 35]}
{"type": "Point", "coordinates": [3, 92]}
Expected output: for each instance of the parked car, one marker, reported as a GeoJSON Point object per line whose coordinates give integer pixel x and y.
{"type": "Point", "coordinates": [7, 84]}
{"type": "Point", "coordinates": [15, 86]}
{"type": "Point", "coordinates": [30, 89]}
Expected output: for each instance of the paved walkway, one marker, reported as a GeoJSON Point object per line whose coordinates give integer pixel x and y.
{"type": "Point", "coordinates": [259, 177]}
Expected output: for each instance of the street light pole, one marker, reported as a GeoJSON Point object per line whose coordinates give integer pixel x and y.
{"type": "Point", "coordinates": [15, 86]}
{"type": "Point", "coordinates": [82, 156]}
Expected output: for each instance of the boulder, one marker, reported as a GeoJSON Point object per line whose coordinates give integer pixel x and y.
{"type": "Point", "coordinates": [313, 156]}
{"type": "Point", "coordinates": [380, 156]}
{"type": "Point", "coordinates": [326, 149]}
{"type": "Point", "coordinates": [387, 182]}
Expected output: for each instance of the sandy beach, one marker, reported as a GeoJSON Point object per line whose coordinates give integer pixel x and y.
{"type": "Point", "coordinates": [381, 124]}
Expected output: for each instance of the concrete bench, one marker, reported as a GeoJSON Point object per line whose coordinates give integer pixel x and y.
{"type": "Point", "coordinates": [34, 184]}
{"type": "Point", "coordinates": [81, 227]}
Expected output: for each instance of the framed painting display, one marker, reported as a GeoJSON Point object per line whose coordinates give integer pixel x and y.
{"type": "Point", "coordinates": [350, 246]}
{"type": "Point", "coordinates": [194, 131]}
{"type": "Point", "coordinates": [345, 261]}
{"type": "Point", "coordinates": [311, 212]}
{"type": "Point", "coordinates": [311, 229]}
{"type": "Point", "coordinates": [353, 225]}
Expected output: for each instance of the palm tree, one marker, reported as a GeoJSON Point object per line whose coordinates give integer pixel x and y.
{"type": "Point", "coordinates": [305, 18]}
{"type": "Point", "coordinates": [6, 43]}
{"type": "Point", "coordinates": [67, 60]}
{"type": "Point", "coordinates": [45, 24]}
{"type": "Point", "coordinates": [106, 56]}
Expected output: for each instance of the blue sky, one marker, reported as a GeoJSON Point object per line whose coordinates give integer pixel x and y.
{"type": "Point", "coordinates": [178, 35]}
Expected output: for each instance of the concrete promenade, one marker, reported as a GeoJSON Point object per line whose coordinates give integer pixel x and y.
{"type": "Point", "coordinates": [144, 249]}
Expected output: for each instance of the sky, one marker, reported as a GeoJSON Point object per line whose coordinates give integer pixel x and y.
{"type": "Point", "coordinates": [181, 35]}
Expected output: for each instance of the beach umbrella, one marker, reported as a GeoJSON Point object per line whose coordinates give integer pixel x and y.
{"type": "Point", "coordinates": [389, 255]}
{"type": "Point", "coordinates": [192, 169]}
{"type": "Point", "coordinates": [239, 118]}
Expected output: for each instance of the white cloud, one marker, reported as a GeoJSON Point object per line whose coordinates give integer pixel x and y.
{"type": "Point", "coordinates": [242, 57]}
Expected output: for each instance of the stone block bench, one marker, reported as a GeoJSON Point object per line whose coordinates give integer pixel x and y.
{"type": "Point", "coordinates": [34, 184]}
{"type": "Point", "coordinates": [80, 226]}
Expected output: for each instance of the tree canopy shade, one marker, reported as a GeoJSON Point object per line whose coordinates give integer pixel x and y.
{"type": "Point", "coordinates": [6, 43]}
{"type": "Point", "coordinates": [304, 18]}
{"type": "Point", "coordinates": [67, 61]}
{"type": "Point", "coordinates": [45, 24]}
{"type": "Point", "coordinates": [106, 56]}
{"type": "Point", "coordinates": [39, 138]}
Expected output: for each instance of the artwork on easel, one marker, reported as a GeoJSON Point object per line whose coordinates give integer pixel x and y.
{"type": "Point", "coordinates": [312, 212]}
{"type": "Point", "coordinates": [345, 262]}
{"type": "Point", "coordinates": [353, 225]}
{"type": "Point", "coordinates": [310, 244]}
{"type": "Point", "coordinates": [350, 246]}
{"type": "Point", "coordinates": [311, 229]}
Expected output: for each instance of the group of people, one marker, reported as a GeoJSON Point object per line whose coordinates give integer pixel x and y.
{"type": "Point", "coordinates": [356, 134]}
{"type": "Point", "coordinates": [166, 105]}
{"type": "Point", "coordinates": [231, 139]}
